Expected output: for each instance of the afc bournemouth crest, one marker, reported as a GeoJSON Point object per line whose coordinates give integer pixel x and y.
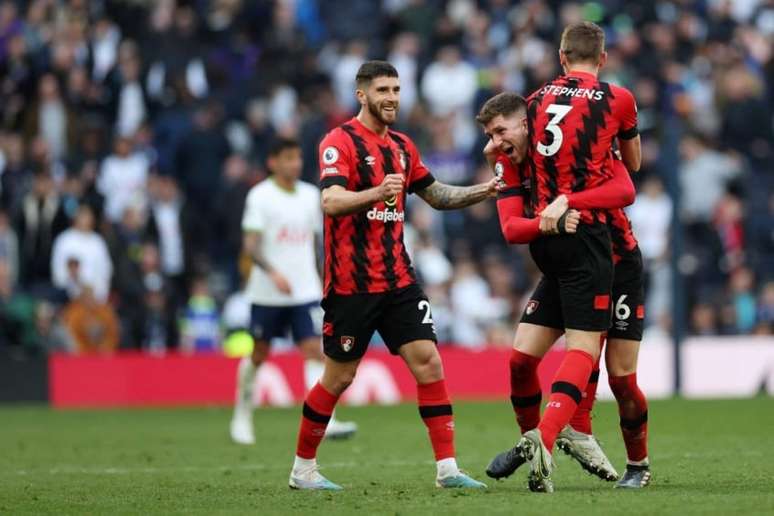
{"type": "Point", "coordinates": [498, 169]}
{"type": "Point", "coordinates": [532, 305]}
{"type": "Point", "coordinates": [347, 342]}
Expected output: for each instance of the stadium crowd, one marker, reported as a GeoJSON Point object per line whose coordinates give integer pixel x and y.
{"type": "Point", "coordinates": [131, 131]}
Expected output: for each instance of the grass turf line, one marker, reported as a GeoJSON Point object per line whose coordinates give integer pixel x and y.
{"type": "Point", "coordinates": [709, 457]}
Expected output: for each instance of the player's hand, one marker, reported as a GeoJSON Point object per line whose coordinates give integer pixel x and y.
{"type": "Point", "coordinates": [391, 186]}
{"type": "Point", "coordinates": [571, 221]}
{"type": "Point", "coordinates": [282, 284]}
{"type": "Point", "coordinates": [549, 217]}
{"type": "Point", "coordinates": [494, 185]}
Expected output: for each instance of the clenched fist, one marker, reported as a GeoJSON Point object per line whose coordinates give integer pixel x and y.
{"type": "Point", "coordinates": [390, 187]}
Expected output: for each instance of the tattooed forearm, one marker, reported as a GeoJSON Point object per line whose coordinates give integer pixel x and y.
{"type": "Point", "coordinates": [447, 197]}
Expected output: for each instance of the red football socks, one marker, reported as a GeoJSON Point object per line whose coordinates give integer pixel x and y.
{"type": "Point", "coordinates": [633, 410]}
{"type": "Point", "coordinates": [525, 390]}
{"type": "Point", "coordinates": [566, 394]}
{"type": "Point", "coordinates": [318, 408]}
{"type": "Point", "coordinates": [436, 412]}
{"type": "Point", "coordinates": [581, 420]}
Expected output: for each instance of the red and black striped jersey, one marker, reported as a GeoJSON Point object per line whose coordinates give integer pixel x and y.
{"type": "Point", "coordinates": [572, 123]}
{"type": "Point", "coordinates": [621, 234]}
{"type": "Point", "coordinates": [515, 180]}
{"type": "Point", "coordinates": [364, 252]}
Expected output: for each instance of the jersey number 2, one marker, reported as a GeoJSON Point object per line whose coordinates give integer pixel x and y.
{"type": "Point", "coordinates": [425, 305]}
{"type": "Point", "coordinates": [559, 111]}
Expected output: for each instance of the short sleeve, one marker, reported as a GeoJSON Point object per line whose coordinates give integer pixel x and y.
{"type": "Point", "coordinates": [510, 177]}
{"type": "Point", "coordinates": [253, 218]}
{"type": "Point", "coordinates": [419, 176]}
{"type": "Point", "coordinates": [627, 115]}
{"type": "Point", "coordinates": [335, 161]}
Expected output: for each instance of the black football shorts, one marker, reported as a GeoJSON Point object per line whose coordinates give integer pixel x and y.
{"type": "Point", "coordinates": [400, 316]}
{"type": "Point", "coordinates": [575, 290]}
{"type": "Point", "coordinates": [628, 298]}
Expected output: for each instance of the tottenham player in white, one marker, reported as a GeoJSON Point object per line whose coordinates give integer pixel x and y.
{"type": "Point", "coordinates": [281, 219]}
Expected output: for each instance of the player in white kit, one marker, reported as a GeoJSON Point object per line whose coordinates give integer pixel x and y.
{"type": "Point", "coordinates": [281, 219]}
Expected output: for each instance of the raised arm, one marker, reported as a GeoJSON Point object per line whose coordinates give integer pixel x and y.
{"type": "Point", "coordinates": [447, 197]}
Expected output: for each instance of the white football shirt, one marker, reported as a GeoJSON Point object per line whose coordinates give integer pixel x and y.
{"type": "Point", "coordinates": [287, 222]}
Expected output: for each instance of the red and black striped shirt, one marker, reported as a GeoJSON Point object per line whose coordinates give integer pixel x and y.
{"type": "Point", "coordinates": [621, 234]}
{"type": "Point", "coordinates": [572, 123]}
{"type": "Point", "coordinates": [364, 252]}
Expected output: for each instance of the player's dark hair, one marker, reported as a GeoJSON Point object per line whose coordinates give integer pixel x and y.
{"type": "Point", "coordinates": [583, 42]}
{"type": "Point", "coordinates": [370, 70]}
{"type": "Point", "coordinates": [282, 144]}
{"type": "Point", "coordinates": [504, 104]}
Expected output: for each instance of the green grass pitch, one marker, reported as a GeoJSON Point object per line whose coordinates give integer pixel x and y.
{"type": "Point", "coordinates": [709, 457]}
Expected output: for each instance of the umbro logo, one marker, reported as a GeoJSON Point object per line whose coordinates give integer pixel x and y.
{"type": "Point", "coordinates": [370, 160]}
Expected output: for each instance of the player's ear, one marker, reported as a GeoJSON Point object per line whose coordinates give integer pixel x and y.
{"type": "Point", "coordinates": [563, 59]}
{"type": "Point", "coordinates": [361, 96]}
{"type": "Point", "coordinates": [602, 59]}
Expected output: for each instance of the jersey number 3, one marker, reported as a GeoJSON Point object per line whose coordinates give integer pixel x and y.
{"type": "Point", "coordinates": [558, 111]}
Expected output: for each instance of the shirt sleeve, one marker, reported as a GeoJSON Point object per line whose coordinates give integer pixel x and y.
{"type": "Point", "coordinates": [627, 115]}
{"type": "Point", "coordinates": [616, 192]}
{"type": "Point", "coordinates": [418, 175]}
{"type": "Point", "coordinates": [335, 161]}
{"type": "Point", "coordinates": [510, 176]}
{"type": "Point", "coordinates": [253, 218]}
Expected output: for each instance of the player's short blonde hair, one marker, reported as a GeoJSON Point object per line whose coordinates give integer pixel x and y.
{"type": "Point", "coordinates": [583, 42]}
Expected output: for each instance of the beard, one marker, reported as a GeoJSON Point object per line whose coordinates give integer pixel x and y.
{"type": "Point", "coordinates": [373, 108]}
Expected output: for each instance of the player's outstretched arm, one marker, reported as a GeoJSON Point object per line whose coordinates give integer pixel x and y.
{"type": "Point", "coordinates": [447, 197]}
{"type": "Point", "coordinates": [338, 201]}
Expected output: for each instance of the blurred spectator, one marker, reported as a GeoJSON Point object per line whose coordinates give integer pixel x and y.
{"type": "Point", "coordinates": [704, 320]}
{"type": "Point", "coordinates": [17, 312]}
{"type": "Point", "coordinates": [743, 300]}
{"type": "Point", "coordinates": [704, 175]}
{"type": "Point", "coordinates": [39, 220]}
{"type": "Point", "coordinates": [199, 161]}
{"type": "Point", "coordinates": [50, 118]}
{"type": "Point", "coordinates": [765, 320]}
{"type": "Point", "coordinates": [344, 73]}
{"type": "Point", "coordinates": [230, 202]}
{"type": "Point", "coordinates": [80, 259]}
{"type": "Point", "coordinates": [651, 217]}
{"type": "Point", "coordinates": [15, 174]}
{"type": "Point", "coordinates": [473, 305]}
{"type": "Point", "coordinates": [123, 179]}
{"type": "Point", "coordinates": [92, 324]}
{"type": "Point", "coordinates": [130, 97]}
{"type": "Point", "coordinates": [404, 56]}
{"type": "Point", "coordinates": [200, 324]}
{"type": "Point", "coordinates": [49, 333]}
{"type": "Point", "coordinates": [9, 248]}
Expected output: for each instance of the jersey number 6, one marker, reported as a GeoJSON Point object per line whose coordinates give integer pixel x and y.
{"type": "Point", "coordinates": [559, 111]}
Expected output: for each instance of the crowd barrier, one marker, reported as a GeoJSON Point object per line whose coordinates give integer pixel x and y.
{"type": "Point", "coordinates": [711, 367]}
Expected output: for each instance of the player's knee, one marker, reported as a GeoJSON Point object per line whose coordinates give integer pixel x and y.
{"type": "Point", "coordinates": [622, 368]}
{"type": "Point", "coordinates": [429, 367]}
{"type": "Point", "coordinates": [341, 380]}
